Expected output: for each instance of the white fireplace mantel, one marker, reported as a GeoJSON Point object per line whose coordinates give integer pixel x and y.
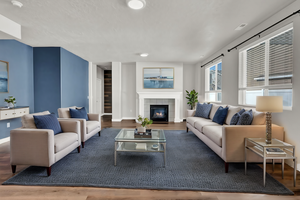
{"type": "Point", "coordinates": [177, 96]}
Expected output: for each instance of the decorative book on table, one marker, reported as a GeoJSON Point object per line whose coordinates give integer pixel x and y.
{"type": "Point", "coordinates": [141, 146]}
{"type": "Point", "coordinates": [272, 151]}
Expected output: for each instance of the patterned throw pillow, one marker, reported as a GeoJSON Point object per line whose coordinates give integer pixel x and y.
{"type": "Point", "coordinates": [235, 118]}
{"type": "Point", "coordinates": [246, 118]}
{"type": "Point", "coordinates": [203, 110]}
{"type": "Point", "coordinates": [220, 115]}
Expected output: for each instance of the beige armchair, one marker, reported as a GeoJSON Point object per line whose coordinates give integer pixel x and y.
{"type": "Point", "coordinates": [88, 128]}
{"type": "Point", "coordinates": [40, 147]}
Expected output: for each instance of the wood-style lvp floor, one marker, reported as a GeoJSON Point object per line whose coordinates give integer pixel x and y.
{"type": "Point", "coordinates": [85, 193]}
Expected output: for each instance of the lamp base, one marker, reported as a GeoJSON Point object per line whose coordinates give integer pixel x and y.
{"type": "Point", "coordinates": [268, 128]}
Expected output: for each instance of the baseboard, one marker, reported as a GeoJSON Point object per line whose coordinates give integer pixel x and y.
{"type": "Point", "coordinates": [7, 139]}
{"type": "Point", "coordinates": [127, 118]}
{"type": "Point", "coordinates": [116, 120]}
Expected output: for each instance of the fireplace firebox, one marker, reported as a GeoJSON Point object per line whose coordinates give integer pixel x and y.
{"type": "Point", "coordinates": [159, 113]}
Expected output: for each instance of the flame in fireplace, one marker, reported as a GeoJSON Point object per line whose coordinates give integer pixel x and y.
{"type": "Point", "coordinates": [160, 114]}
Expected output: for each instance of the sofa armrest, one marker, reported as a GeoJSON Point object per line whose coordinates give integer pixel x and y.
{"type": "Point", "coordinates": [233, 139]}
{"type": "Point", "coordinates": [94, 117]}
{"type": "Point", "coordinates": [70, 126]}
{"type": "Point", "coordinates": [32, 147]}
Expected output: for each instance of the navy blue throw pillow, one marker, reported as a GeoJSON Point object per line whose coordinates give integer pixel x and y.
{"type": "Point", "coordinates": [220, 115]}
{"type": "Point", "coordinates": [47, 122]}
{"type": "Point", "coordinates": [235, 118]}
{"type": "Point", "coordinates": [203, 110]}
{"type": "Point", "coordinates": [246, 118]}
{"type": "Point", "coordinates": [79, 113]}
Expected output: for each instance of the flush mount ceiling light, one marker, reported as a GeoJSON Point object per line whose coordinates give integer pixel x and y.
{"type": "Point", "coordinates": [240, 27]}
{"type": "Point", "coordinates": [17, 3]}
{"type": "Point", "coordinates": [136, 4]}
{"type": "Point", "coordinates": [144, 54]}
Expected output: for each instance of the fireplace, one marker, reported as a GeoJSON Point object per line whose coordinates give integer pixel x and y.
{"type": "Point", "coordinates": [159, 113]}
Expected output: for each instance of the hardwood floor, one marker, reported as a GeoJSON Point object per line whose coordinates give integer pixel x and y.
{"type": "Point", "coordinates": [89, 193]}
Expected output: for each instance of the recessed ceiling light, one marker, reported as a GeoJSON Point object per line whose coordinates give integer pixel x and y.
{"type": "Point", "coordinates": [17, 3]}
{"type": "Point", "coordinates": [136, 4]}
{"type": "Point", "coordinates": [240, 27]}
{"type": "Point", "coordinates": [144, 54]}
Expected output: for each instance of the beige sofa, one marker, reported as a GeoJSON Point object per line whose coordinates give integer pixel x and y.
{"type": "Point", "coordinates": [88, 128]}
{"type": "Point", "coordinates": [227, 141]}
{"type": "Point", "coordinates": [40, 147]}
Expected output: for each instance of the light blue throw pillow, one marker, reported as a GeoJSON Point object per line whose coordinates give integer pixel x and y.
{"type": "Point", "coordinates": [203, 110]}
{"type": "Point", "coordinates": [246, 118]}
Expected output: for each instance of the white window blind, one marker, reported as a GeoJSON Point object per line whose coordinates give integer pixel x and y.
{"type": "Point", "coordinates": [266, 68]}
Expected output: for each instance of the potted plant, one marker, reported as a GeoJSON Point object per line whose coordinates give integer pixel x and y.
{"type": "Point", "coordinates": [192, 98]}
{"type": "Point", "coordinates": [11, 101]}
{"type": "Point", "coordinates": [144, 122]}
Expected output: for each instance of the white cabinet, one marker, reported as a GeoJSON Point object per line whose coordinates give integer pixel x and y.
{"type": "Point", "coordinates": [13, 113]}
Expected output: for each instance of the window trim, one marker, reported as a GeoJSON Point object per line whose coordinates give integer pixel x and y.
{"type": "Point", "coordinates": [206, 79]}
{"type": "Point", "coordinates": [242, 63]}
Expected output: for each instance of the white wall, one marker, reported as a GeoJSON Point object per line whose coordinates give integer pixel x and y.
{"type": "Point", "coordinates": [188, 84]}
{"type": "Point", "coordinates": [128, 91]}
{"type": "Point", "coordinates": [287, 119]}
{"type": "Point", "coordinates": [116, 92]}
{"type": "Point", "coordinates": [92, 86]}
{"type": "Point", "coordinates": [100, 76]}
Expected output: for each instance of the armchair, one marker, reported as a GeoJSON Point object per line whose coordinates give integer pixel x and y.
{"type": "Point", "coordinates": [40, 147]}
{"type": "Point", "coordinates": [88, 128]}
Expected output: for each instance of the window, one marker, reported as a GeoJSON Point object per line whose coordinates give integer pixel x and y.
{"type": "Point", "coordinates": [266, 68]}
{"type": "Point", "coordinates": [213, 82]}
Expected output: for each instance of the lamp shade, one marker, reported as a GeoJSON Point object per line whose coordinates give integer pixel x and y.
{"type": "Point", "coordinates": [269, 103]}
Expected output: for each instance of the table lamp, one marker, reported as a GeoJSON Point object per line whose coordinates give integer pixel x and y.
{"type": "Point", "coordinates": [269, 104]}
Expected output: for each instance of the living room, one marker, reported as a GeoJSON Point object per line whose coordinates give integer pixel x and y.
{"type": "Point", "coordinates": [55, 63]}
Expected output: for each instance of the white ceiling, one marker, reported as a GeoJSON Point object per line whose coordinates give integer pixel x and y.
{"type": "Point", "coordinates": [107, 30]}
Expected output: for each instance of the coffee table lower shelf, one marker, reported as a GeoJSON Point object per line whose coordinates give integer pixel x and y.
{"type": "Point", "coordinates": [125, 146]}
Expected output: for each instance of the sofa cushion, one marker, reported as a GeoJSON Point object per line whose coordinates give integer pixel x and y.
{"type": "Point", "coordinates": [91, 125]}
{"type": "Point", "coordinates": [220, 115]}
{"type": "Point", "coordinates": [47, 122]}
{"type": "Point", "coordinates": [259, 118]}
{"type": "Point", "coordinates": [63, 140]}
{"type": "Point", "coordinates": [79, 113]}
{"type": "Point", "coordinates": [65, 112]}
{"type": "Point", "coordinates": [232, 110]}
{"type": "Point", "coordinates": [192, 120]}
{"type": "Point", "coordinates": [214, 133]}
{"type": "Point", "coordinates": [28, 121]}
{"type": "Point", "coordinates": [203, 110]}
{"type": "Point", "coordinates": [246, 118]}
{"type": "Point", "coordinates": [214, 109]}
{"type": "Point", "coordinates": [204, 122]}
{"type": "Point", "coordinates": [235, 118]}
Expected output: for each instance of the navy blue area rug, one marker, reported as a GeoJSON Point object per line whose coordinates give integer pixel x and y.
{"type": "Point", "coordinates": [191, 165]}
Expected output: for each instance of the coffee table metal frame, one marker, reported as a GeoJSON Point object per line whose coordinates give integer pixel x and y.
{"type": "Point", "coordinates": [127, 144]}
{"type": "Point", "coordinates": [260, 142]}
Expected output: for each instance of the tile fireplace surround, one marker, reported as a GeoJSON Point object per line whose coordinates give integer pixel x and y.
{"type": "Point", "coordinates": [173, 99]}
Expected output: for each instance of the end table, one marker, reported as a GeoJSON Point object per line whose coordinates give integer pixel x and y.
{"type": "Point", "coordinates": [259, 146]}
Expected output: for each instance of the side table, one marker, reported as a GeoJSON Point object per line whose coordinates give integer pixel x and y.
{"type": "Point", "coordinates": [259, 146]}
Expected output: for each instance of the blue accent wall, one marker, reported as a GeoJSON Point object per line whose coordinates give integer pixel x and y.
{"type": "Point", "coordinates": [20, 58]}
{"type": "Point", "coordinates": [47, 90]}
{"type": "Point", "coordinates": [74, 80]}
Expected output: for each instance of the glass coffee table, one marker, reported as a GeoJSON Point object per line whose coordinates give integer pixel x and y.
{"type": "Point", "coordinates": [126, 141]}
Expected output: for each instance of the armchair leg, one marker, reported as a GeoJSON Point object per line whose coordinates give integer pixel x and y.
{"type": "Point", "coordinates": [82, 144]}
{"type": "Point", "coordinates": [49, 171]}
{"type": "Point", "coordinates": [78, 149]}
{"type": "Point", "coordinates": [99, 133]}
{"type": "Point", "coordinates": [13, 168]}
{"type": "Point", "coordinates": [187, 129]}
{"type": "Point", "coordinates": [226, 167]}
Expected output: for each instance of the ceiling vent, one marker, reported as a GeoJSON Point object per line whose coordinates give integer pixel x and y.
{"type": "Point", "coordinates": [240, 27]}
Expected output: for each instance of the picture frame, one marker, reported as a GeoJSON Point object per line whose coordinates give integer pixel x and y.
{"type": "Point", "coordinates": [158, 78]}
{"type": "Point", "coordinates": [4, 76]}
